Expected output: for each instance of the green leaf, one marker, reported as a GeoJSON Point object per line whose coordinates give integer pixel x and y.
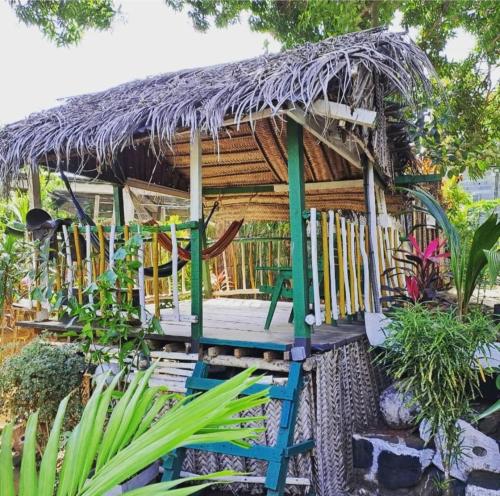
{"type": "Point", "coordinates": [120, 254]}
{"type": "Point", "coordinates": [48, 466]}
{"type": "Point", "coordinates": [6, 464]}
{"type": "Point", "coordinates": [493, 260]}
{"type": "Point", "coordinates": [27, 477]}
{"type": "Point", "coordinates": [485, 238]}
{"type": "Point", "coordinates": [489, 411]}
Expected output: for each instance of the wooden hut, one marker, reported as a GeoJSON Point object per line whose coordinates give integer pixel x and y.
{"type": "Point", "coordinates": [278, 137]}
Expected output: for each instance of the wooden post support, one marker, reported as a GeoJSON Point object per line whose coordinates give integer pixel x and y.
{"type": "Point", "coordinates": [118, 208]}
{"type": "Point", "coordinates": [128, 207]}
{"type": "Point", "coordinates": [298, 248]}
{"type": "Point", "coordinates": [371, 209]}
{"type": "Point", "coordinates": [196, 214]}
{"type": "Point", "coordinates": [34, 193]}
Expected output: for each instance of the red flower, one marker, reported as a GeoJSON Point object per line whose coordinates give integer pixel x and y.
{"type": "Point", "coordinates": [412, 288]}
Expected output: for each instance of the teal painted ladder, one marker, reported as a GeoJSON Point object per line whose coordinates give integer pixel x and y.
{"type": "Point", "coordinates": [276, 456]}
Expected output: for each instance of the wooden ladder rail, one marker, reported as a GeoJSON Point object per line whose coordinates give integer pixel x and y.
{"type": "Point", "coordinates": [276, 456]}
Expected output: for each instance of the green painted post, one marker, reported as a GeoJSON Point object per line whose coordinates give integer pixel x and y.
{"type": "Point", "coordinates": [298, 247]}
{"type": "Point", "coordinates": [118, 205]}
{"type": "Point", "coordinates": [196, 285]}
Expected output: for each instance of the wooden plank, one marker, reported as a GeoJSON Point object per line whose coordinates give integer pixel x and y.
{"type": "Point", "coordinates": [339, 111]}
{"type": "Point", "coordinates": [34, 192]}
{"type": "Point", "coordinates": [146, 187]}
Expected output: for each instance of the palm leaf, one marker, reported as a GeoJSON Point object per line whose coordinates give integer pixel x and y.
{"type": "Point", "coordinates": [6, 464]}
{"type": "Point", "coordinates": [140, 439]}
{"type": "Point", "coordinates": [485, 238]}
{"type": "Point", "coordinates": [493, 260]}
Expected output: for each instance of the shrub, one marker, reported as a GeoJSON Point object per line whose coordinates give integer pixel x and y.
{"type": "Point", "coordinates": [431, 352]}
{"type": "Point", "coordinates": [39, 378]}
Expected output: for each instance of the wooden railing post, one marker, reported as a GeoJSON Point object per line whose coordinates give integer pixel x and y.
{"type": "Point", "coordinates": [298, 251]}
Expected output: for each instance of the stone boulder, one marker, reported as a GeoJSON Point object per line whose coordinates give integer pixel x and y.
{"type": "Point", "coordinates": [395, 410]}
{"type": "Point", "coordinates": [480, 483]}
{"type": "Point", "coordinates": [389, 461]}
{"type": "Point", "coordinates": [479, 452]}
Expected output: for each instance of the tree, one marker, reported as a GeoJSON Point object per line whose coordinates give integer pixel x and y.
{"type": "Point", "coordinates": [65, 21]}
{"type": "Point", "coordinates": [460, 128]}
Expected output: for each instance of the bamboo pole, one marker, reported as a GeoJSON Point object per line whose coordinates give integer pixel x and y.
{"type": "Point", "coordinates": [69, 261]}
{"type": "Point", "coordinates": [79, 272]}
{"type": "Point", "coordinates": [156, 292]}
{"type": "Point", "coordinates": [366, 268]}
{"type": "Point", "coordinates": [130, 286]}
{"type": "Point", "coordinates": [175, 281]}
{"type": "Point", "coordinates": [102, 251]}
{"type": "Point", "coordinates": [358, 267]}
{"type": "Point", "coordinates": [326, 268]}
{"type": "Point", "coordinates": [341, 268]}
{"type": "Point", "coordinates": [331, 256]}
{"type": "Point", "coordinates": [314, 267]}
{"type": "Point", "coordinates": [345, 264]}
{"type": "Point", "coordinates": [88, 248]}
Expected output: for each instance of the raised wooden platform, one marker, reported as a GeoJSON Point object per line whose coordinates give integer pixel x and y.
{"type": "Point", "coordinates": [239, 323]}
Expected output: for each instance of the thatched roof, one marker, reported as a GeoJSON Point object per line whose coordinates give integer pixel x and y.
{"type": "Point", "coordinates": [99, 126]}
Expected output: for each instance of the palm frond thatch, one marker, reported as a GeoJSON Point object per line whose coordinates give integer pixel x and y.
{"type": "Point", "coordinates": [102, 124]}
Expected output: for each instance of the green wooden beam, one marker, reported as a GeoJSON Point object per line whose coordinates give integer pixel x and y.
{"type": "Point", "coordinates": [296, 194]}
{"type": "Point", "coordinates": [239, 190]}
{"type": "Point", "coordinates": [417, 178]}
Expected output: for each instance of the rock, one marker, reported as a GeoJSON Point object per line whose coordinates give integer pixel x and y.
{"type": "Point", "coordinates": [479, 452]}
{"type": "Point", "coordinates": [389, 461]}
{"type": "Point", "coordinates": [106, 368]}
{"type": "Point", "coordinates": [362, 451]}
{"type": "Point", "coordinates": [398, 471]}
{"type": "Point", "coordinates": [394, 409]}
{"type": "Point", "coordinates": [481, 483]}
{"type": "Point", "coordinates": [431, 484]}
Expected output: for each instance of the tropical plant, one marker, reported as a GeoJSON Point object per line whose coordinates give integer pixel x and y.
{"type": "Point", "coordinates": [105, 449]}
{"type": "Point", "coordinates": [432, 354]}
{"type": "Point", "coordinates": [420, 268]}
{"type": "Point", "coordinates": [107, 313]}
{"type": "Point", "coordinates": [11, 270]}
{"type": "Point", "coordinates": [38, 378]}
{"type": "Point", "coordinates": [467, 259]}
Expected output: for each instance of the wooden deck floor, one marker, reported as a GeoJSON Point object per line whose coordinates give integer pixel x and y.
{"type": "Point", "coordinates": [240, 322]}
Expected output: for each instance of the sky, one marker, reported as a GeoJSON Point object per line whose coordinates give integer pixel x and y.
{"type": "Point", "coordinates": [148, 39]}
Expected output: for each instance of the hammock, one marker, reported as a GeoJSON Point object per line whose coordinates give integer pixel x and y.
{"type": "Point", "coordinates": [212, 251]}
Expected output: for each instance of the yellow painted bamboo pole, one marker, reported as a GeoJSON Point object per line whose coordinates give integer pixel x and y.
{"type": "Point", "coordinates": [156, 289]}
{"type": "Point", "coordinates": [79, 268]}
{"type": "Point", "coordinates": [130, 285]}
{"type": "Point", "coordinates": [235, 265]}
{"type": "Point", "coordinates": [358, 267]}
{"type": "Point", "coordinates": [326, 268]}
{"type": "Point", "coordinates": [341, 267]}
{"type": "Point", "coordinates": [102, 249]}
{"type": "Point", "coordinates": [251, 265]}
{"type": "Point", "coordinates": [350, 263]}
